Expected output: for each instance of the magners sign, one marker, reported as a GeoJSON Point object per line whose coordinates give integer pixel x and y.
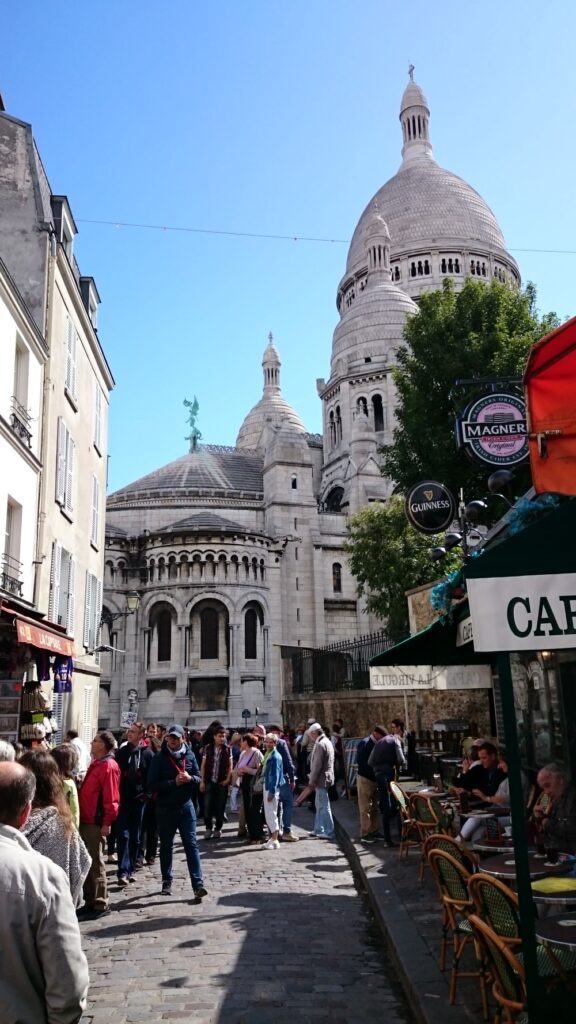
{"type": "Point", "coordinates": [493, 430]}
{"type": "Point", "coordinates": [430, 507]}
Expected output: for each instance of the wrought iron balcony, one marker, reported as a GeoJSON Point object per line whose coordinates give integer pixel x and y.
{"type": "Point", "coordinates": [10, 575]}
{"type": "Point", "coordinates": [20, 421]}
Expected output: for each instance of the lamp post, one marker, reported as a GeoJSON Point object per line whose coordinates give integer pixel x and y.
{"type": "Point", "coordinates": [132, 606]}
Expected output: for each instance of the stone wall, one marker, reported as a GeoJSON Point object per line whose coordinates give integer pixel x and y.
{"type": "Point", "coordinates": [363, 709]}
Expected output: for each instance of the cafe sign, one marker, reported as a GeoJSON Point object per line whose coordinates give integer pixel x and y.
{"type": "Point", "coordinates": [523, 613]}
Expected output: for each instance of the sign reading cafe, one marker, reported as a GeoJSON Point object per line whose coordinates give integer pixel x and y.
{"type": "Point", "coordinates": [523, 613]}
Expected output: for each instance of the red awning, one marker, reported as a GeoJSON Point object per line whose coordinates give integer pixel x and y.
{"type": "Point", "coordinates": [40, 634]}
{"type": "Point", "coordinates": [550, 387]}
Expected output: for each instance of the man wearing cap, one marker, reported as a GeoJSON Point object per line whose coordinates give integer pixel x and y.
{"type": "Point", "coordinates": [172, 778]}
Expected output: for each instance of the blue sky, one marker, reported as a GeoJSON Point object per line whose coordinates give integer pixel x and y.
{"type": "Point", "coordinates": [273, 118]}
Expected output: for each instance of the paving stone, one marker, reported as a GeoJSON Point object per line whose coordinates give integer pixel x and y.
{"type": "Point", "coordinates": [283, 935]}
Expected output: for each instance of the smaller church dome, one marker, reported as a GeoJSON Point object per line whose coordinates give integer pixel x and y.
{"type": "Point", "coordinates": [272, 407]}
{"type": "Point", "coordinates": [413, 96]}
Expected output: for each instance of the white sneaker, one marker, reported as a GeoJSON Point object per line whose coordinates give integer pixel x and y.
{"type": "Point", "coordinates": [272, 844]}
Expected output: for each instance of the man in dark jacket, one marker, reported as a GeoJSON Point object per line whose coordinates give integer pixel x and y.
{"type": "Point", "coordinates": [386, 757]}
{"type": "Point", "coordinates": [367, 787]}
{"type": "Point", "coordinates": [133, 759]}
{"type": "Point", "coordinates": [172, 778]}
{"type": "Point", "coordinates": [486, 775]}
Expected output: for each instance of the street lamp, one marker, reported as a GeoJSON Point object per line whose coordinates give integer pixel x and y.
{"type": "Point", "coordinates": [133, 604]}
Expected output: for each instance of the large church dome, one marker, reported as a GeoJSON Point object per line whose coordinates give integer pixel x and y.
{"type": "Point", "coordinates": [272, 407]}
{"type": "Point", "coordinates": [439, 225]}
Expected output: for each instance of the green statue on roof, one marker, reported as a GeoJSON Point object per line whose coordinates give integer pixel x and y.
{"type": "Point", "coordinates": [195, 435]}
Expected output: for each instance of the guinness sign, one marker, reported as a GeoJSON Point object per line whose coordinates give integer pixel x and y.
{"type": "Point", "coordinates": [430, 507]}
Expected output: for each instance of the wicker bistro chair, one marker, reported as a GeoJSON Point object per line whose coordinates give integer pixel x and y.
{"type": "Point", "coordinates": [464, 856]}
{"type": "Point", "coordinates": [497, 904]}
{"type": "Point", "coordinates": [452, 879]}
{"type": "Point", "coordinates": [508, 985]}
{"type": "Point", "coordinates": [430, 818]}
{"type": "Point", "coordinates": [409, 831]}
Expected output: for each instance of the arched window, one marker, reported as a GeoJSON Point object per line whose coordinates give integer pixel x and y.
{"type": "Point", "coordinates": [209, 634]}
{"type": "Point", "coordinates": [378, 412]}
{"type": "Point", "coordinates": [294, 482]}
{"type": "Point", "coordinates": [333, 501]}
{"type": "Point", "coordinates": [362, 406]}
{"type": "Point", "coordinates": [443, 266]}
{"type": "Point", "coordinates": [337, 578]}
{"type": "Point", "coordinates": [338, 425]}
{"type": "Point", "coordinates": [250, 634]}
{"type": "Point", "coordinates": [457, 266]}
{"type": "Point", "coordinates": [164, 628]}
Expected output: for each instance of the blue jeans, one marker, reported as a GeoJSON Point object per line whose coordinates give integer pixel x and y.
{"type": "Point", "coordinates": [287, 805]}
{"type": "Point", "coordinates": [183, 820]}
{"type": "Point", "coordinates": [128, 829]}
{"type": "Point", "coordinates": [323, 822]}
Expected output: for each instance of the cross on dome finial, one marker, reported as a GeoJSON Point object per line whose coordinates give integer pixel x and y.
{"type": "Point", "coordinates": [411, 72]}
{"type": "Point", "coordinates": [270, 337]}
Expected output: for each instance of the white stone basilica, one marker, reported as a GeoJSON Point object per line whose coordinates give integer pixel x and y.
{"type": "Point", "coordinates": [237, 553]}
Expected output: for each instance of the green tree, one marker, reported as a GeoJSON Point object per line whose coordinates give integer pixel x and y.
{"type": "Point", "coordinates": [388, 557]}
{"type": "Point", "coordinates": [483, 331]}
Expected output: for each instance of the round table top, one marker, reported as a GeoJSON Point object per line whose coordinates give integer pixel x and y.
{"type": "Point", "coordinates": [567, 896]}
{"type": "Point", "coordinates": [502, 845]}
{"type": "Point", "coordinates": [504, 866]}
{"type": "Point", "coordinates": [559, 930]}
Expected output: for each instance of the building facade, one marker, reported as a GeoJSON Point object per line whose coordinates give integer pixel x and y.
{"type": "Point", "coordinates": [65, 412]}
{"type": "Point", "coordinates": [238, 554]}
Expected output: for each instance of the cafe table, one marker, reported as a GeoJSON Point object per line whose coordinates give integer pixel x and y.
{"type": "Point", "coordinates": [501, 845]}
{"type": "Point", "coordinates": [504, 867]}
{"type": "Point", "coordinates": [559, 930]}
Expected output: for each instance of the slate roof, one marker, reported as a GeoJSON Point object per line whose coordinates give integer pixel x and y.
{"type": "Point", "coordinates": [209, 468]}
{"type": "Point", "coordinates": [205, 522]}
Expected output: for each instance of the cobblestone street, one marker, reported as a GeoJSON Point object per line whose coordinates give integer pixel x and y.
{"type": "Point", "coordinates": [283, 935]}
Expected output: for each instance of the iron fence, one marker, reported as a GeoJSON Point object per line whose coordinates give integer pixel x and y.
{"type": "Point", "coordinates": [342, 666]}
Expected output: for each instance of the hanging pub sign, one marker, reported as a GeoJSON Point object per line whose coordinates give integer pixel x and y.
{"type": "Point", "coordinates": [493, 430]}
{"type": "Point", "coordinates": [430, 507]}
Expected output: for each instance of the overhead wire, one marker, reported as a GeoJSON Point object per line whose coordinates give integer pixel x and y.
{"type": "Point", "coordinates": [269, 236]}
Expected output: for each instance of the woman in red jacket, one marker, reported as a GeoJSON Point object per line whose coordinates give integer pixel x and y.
{"type": "Point", "coordinates": [99, 800]}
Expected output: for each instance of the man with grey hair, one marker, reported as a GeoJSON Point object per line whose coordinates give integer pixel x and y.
{"type": "Point", "coordinates": [321, 778]}
{"type": "Point", "coordinates": [7, 752]}
{"type": "Point", "coordinates": [560, 824]}
{"type": "Point", "coordinates": [43, 971]}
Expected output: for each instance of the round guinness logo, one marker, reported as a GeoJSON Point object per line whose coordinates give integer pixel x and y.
{"type": "Point", "coordinates": [430, 507]}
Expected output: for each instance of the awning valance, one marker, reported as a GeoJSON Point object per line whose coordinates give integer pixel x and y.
{"type": "Point", "coordinates": [40, 634]}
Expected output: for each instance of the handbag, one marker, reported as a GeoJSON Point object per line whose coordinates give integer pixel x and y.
{"type": "Point", "coordinates": [258, 783]}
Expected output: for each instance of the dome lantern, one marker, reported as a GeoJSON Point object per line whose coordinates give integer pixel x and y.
{"type": "Point", "coordinates": [415, 118]}
{"type": "Point", "coordinates": [378, 244]}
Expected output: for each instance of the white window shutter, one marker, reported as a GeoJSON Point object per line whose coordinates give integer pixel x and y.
{"type": "Point", "coordinates": [87, 716]}
{"type": "Point", "coordinates": [54, 601]}
{"type": "Point", "coordinates": [61, 462]}
{"type": "Point", "coordinates": [97, 610]}
{"type": "Point", "coordinates": [74, 357]}
{"type": "Point", "coordinates": [88, 610]}
{"type": "Point", "coordinates": [95, 522]}
{"type": "Point", "coordinates": [70, 475]}
{"type": "Point", "coordinates": [70, 611]}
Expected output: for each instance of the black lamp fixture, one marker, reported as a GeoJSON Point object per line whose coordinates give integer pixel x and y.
{"type": "Point", "coordinates": [498, 481]}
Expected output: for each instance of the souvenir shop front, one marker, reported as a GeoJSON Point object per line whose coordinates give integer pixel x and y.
{"type": "Point", "coordinates": [35, 672]}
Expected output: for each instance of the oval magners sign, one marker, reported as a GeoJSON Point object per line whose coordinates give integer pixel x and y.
{"type": "Point", "coordinates": [430, 507]}
{"type": "Point", "coordinates": [493, 430]}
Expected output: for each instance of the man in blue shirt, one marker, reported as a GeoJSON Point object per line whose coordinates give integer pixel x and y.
{"type": "Point", "coordinates": [288, 786]}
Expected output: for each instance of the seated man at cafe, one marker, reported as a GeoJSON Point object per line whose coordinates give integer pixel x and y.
{"type": "Point", "coordinates": [485, 776]}
{"type": "Point", "coordinates": [498, 803]}
{"type": "Point", "coordinates": [559, 826]}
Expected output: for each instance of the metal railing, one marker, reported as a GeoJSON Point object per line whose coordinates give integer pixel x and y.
{"type": "Point", "coordinates": [10, 575]}
{"type": "Point", "coordinates": [342, 666]}
{"type": "Point", "coordinates": [20, 421]}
